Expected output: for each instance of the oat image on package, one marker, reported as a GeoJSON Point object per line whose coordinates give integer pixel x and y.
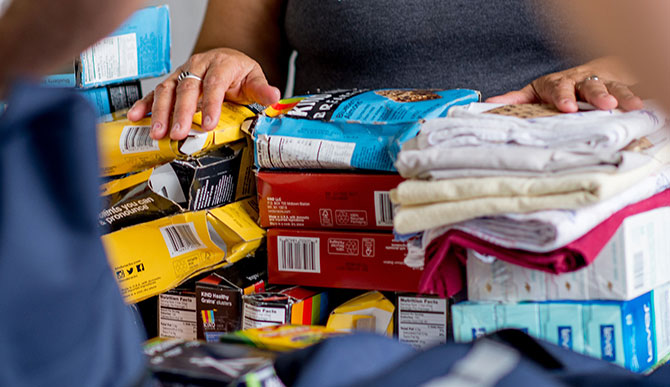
{"type": "Point", "coordinates": [418, 95]}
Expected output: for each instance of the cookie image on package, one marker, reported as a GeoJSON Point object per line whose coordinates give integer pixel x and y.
{"type": "Point", "coordinates": [526, 110]}
{"type": "Point", "coordinates": [417, 95]}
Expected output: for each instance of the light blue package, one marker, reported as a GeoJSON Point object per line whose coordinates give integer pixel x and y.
{"type": "Point", "coordinates": [604, 332]}
{"type": "Point", "coordinates": [348, 129]}
{"type": "Point", "coordinates": [524, 317]}
{"type": "Point", "coordinates": [620, 332]}
{"type": "Point", "coordinates": [661, 309]}
{"type": "Point", "coordinates": [140, 48]}
{"type": "Point", "coordinates": [473, 320]}
{"type": "Point", "coordinates": [563, 324]}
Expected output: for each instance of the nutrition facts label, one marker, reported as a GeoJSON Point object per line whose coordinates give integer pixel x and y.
{"type": "Point", "coordinates": [262, 316]}
{"type": "Point", "coordinates": [422, 321]}
{"type": "Point", "coordinates": [112, 58]}
{"type": "Point", "coordinates": [177, 316]}
{"type": "Point", "coordinates": [303, 153]}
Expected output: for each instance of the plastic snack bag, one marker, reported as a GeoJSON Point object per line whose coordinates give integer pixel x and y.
{"type": "Point", "coordinates": [348, 129]}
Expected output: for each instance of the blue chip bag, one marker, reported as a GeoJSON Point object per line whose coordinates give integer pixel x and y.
{"type": "Point", "coordinates": [348, 129]}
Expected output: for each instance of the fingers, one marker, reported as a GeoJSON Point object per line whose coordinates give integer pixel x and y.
{"type": "Point", "coordinates": [595, 92]}
{"type": "Point", "coordinates": [256, 88]}
{"type": "Point", "coordinates": [141, 108]}
{"type": "Point", "coordinates": [560, 91]}
{"type": "Point", "coordinates": [163, 100]}
{"type": "Point", "coordinates": [186, 101]}
{"type": "Point", "coordinates": [248, 85]}
{"type": "Point", "coordinates": [525, 95]}
{"type": "Point", "coordinates": [627, 99]}
{"type": "Point", "coordinates": [226, 75]}
{"type": "Point", "coordinates": [187, 94]}
{"type": "Point", "coordinates": [214, 88]}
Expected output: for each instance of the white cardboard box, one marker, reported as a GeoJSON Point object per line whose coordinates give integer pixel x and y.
{"type": "Point", "coordinates": [635, 261]}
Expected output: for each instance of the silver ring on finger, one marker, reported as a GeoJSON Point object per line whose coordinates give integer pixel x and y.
{"type": "Point", "coordinates": [187, 75]}
{"type": "Point", "coordinates": [589, 78]}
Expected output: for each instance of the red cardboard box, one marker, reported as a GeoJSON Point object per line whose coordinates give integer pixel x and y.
{"type": "Point", "coordinates": [326, 200]}
{"type": "Point", "coordinates": [339, 259]}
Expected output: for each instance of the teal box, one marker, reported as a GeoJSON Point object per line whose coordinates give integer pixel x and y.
{"type": "Point", "coordinates": [623, 332]}
{"type": "Point", "coordinates": [473, 320]}
{"type": "Point", "coordinates": [524, 317]}
{"type": "Point", "coordinates": [633, 334]}
{"type": "Point", "coordinates": [604, 332]}
{"type": "Point", "coordinates": [563, 325]}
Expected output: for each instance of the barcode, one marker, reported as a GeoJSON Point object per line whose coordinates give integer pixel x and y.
{"type": "Point", "coordinates": [136, 139]}
{"type": "Point", "coordinates": [638, 270]}
{"type": "Point", "coordinates": [298, 254]}
{"type": "Point", "coordinates": [181, 239]}
{"type": "Point", "coordinates": [383, 209]}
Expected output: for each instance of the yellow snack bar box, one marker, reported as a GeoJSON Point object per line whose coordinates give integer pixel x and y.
{"type": "Point", "coordinates": [282, 337]}
{"type": "Point", "coordinates": [371, 312]}
{"type": "Point", "coordinates": [153, 257]}
{"type": "Point", "coordinates": [127, 146]}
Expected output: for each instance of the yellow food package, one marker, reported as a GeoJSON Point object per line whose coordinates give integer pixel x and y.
{"type": "Point", "coordinates": [282, 337]}
{"type": "Point", "coordinates": [127, 146]}
{"type": "Point", "coordinates": [217, 178]}
{"type": "Point", "coordinates": [371, 312]}
{"type": "Point", "coordinates": [153, 257]}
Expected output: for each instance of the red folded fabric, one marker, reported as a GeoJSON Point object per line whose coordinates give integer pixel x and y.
{"type": "Point", "coordinates": [445, 256]}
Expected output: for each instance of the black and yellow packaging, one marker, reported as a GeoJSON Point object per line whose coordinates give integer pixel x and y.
{"type": "Point", "coordinates": [217, 178]}
{"type": "Point", "coordinates": [127, 147]}
{"type": "Point", "coordinates": [154, 257]}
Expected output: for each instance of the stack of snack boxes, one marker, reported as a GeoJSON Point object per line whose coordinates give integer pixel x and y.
{"type": "Point", "coordinates": [108, 73]}
{"type": "Point", "coordinates": [325, 171]}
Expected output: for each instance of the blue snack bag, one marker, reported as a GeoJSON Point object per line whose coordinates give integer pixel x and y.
{"type": "Point", "coordinates": [348, 129]}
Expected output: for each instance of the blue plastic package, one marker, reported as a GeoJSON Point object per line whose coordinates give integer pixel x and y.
{"type": "Point", "coordinates": [140, 48]}
{"type": "Point", "coordinates": [348, 129]}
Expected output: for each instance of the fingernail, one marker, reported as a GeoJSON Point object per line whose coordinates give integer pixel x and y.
{"type": "Point", "coordinates": [156, 127]}
{"type": "Point", "coordinates": [208, 121]}
{"type": "Point", "coordinates": [603, 95]}
{"type": "Point", "coordinates": [175, 128]}
{"type": "Point", "coordinates": [565, 101]}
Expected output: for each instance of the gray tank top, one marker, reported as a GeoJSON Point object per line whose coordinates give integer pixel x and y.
{"type": "Point", "coordinates": [492, 46]}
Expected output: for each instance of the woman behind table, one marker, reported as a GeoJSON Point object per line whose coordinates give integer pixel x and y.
{"type": "Point", "coordinates": [494, 47]}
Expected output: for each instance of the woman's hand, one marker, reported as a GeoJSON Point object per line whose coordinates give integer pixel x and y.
{"type": "Point", "coordinates": [610, 88]}
{"type": "Point", "coordinates": [226, 74]}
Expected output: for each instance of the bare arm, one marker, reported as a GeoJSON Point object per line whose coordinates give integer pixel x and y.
{"type": "Point", "coordinates": [38, 36]}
